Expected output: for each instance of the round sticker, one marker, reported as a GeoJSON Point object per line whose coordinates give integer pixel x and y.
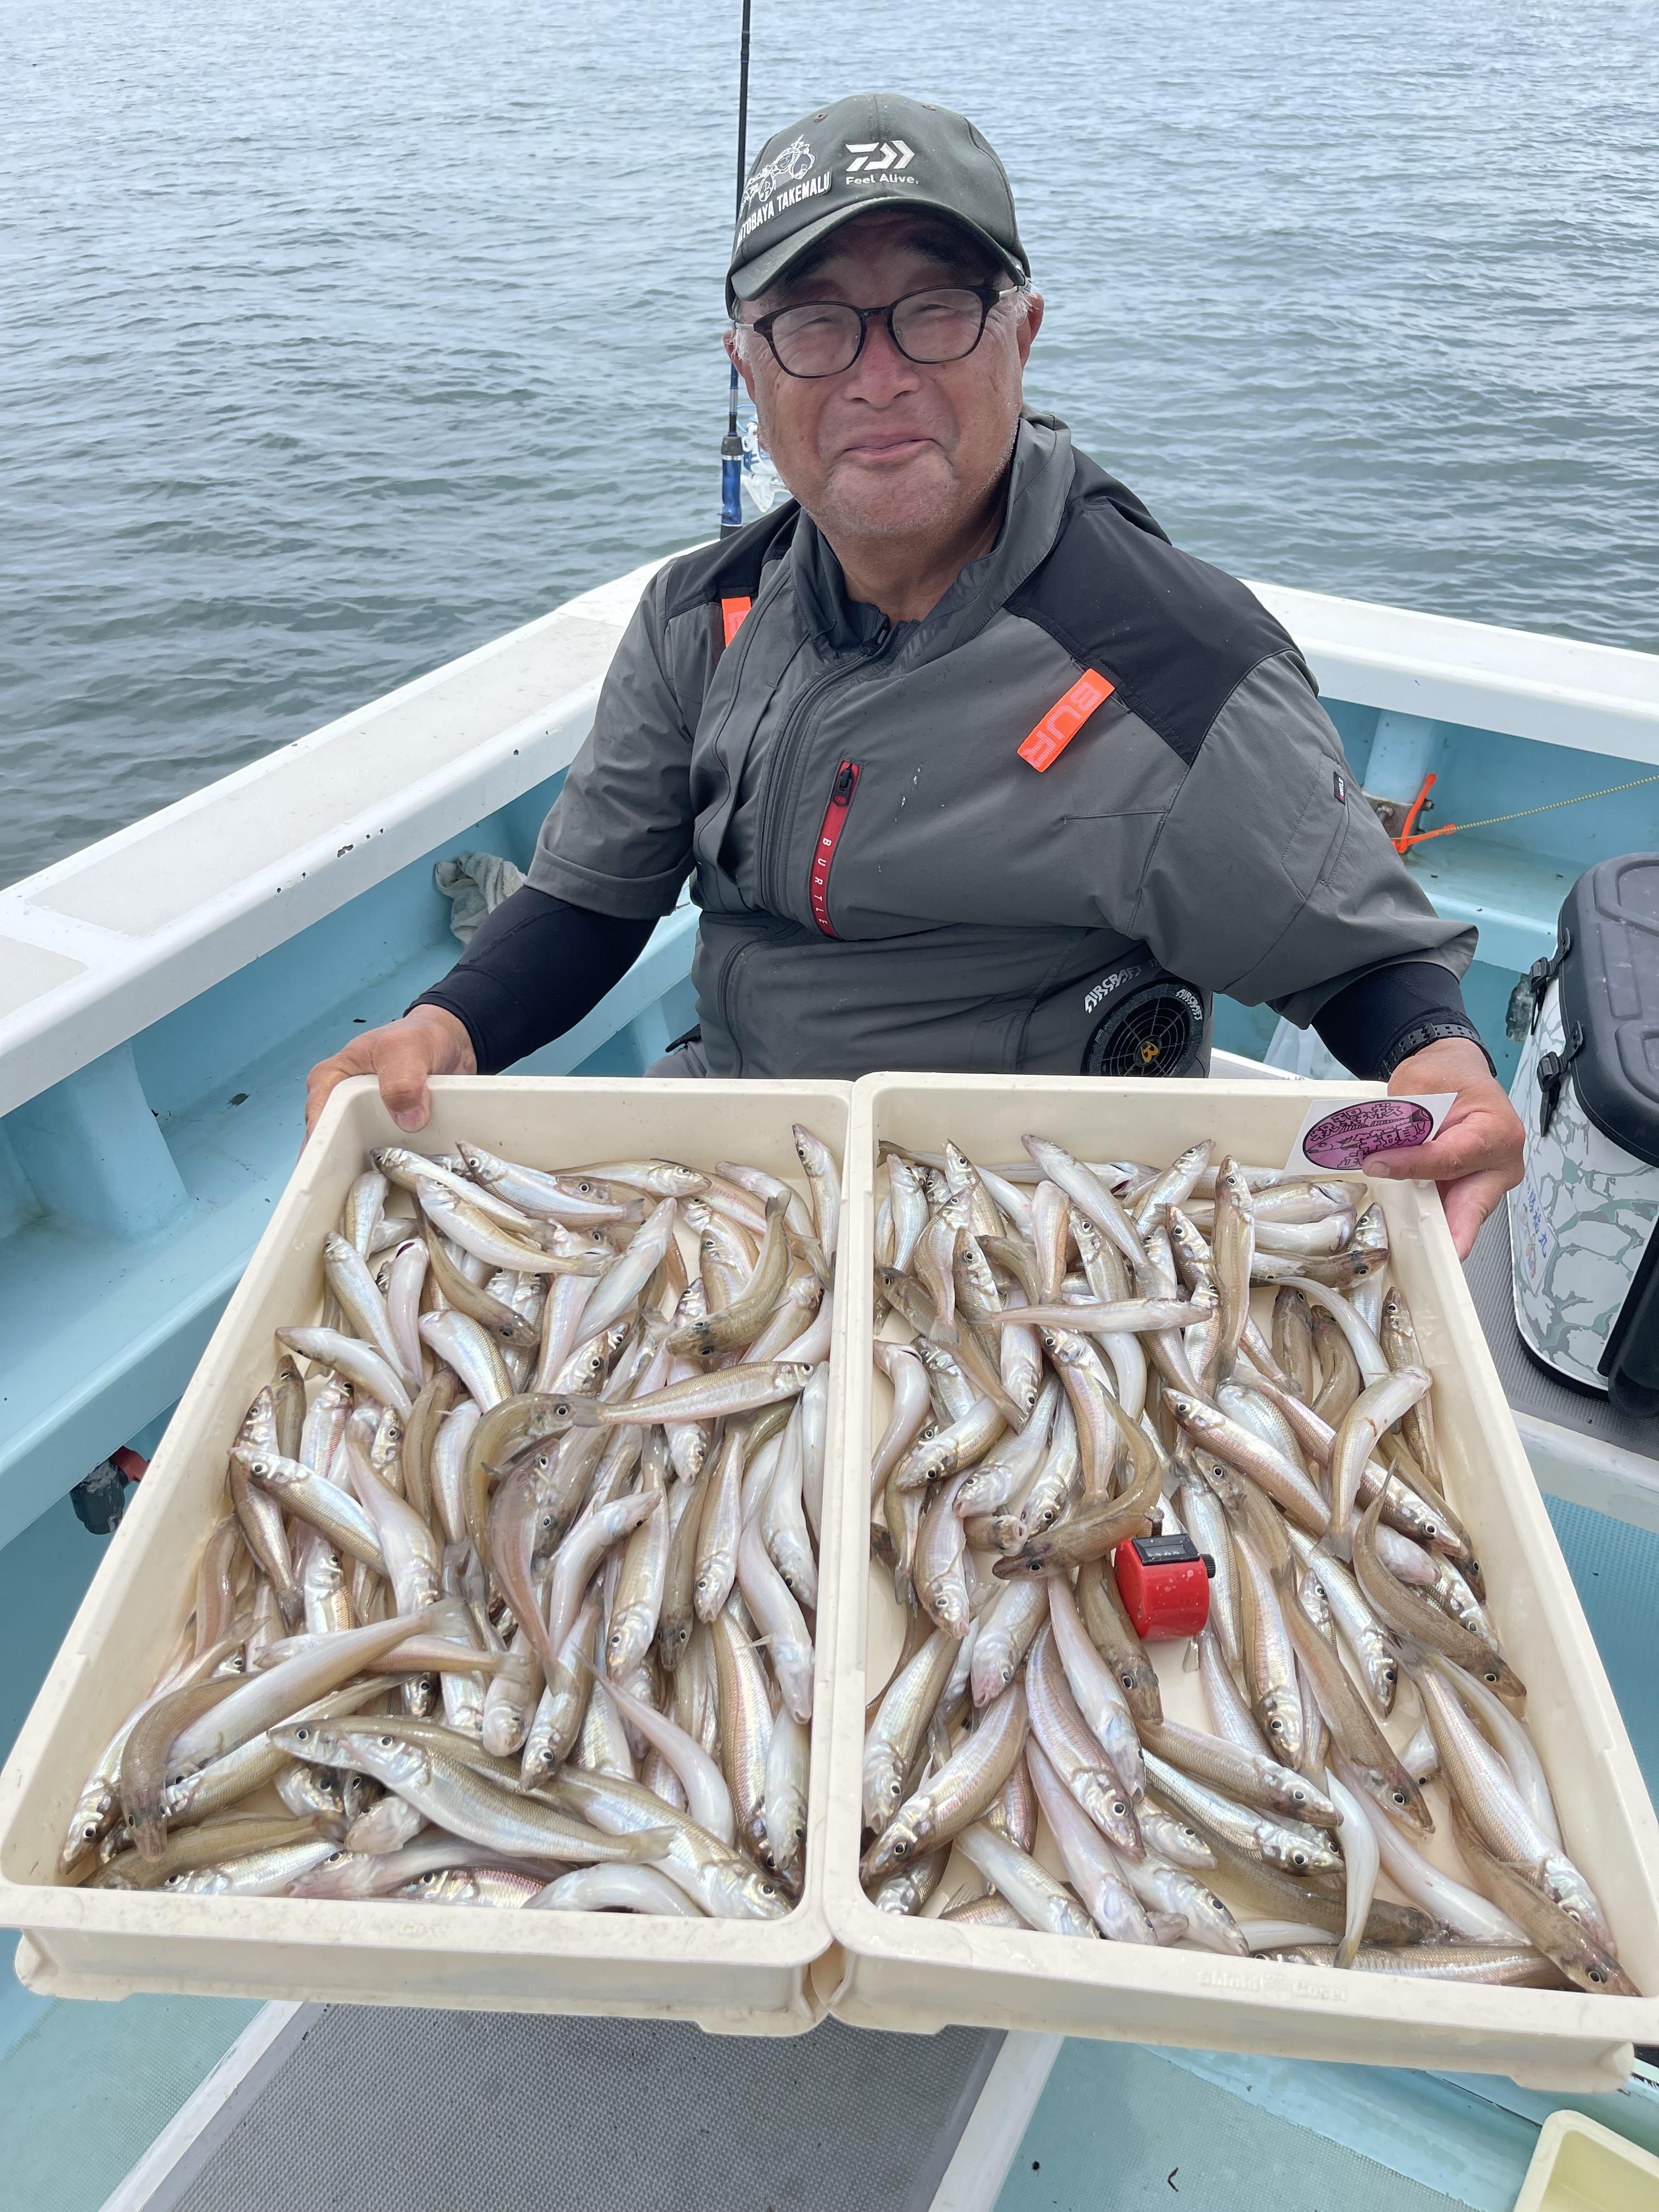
{"type": "Point", "coordinates": [1346, 1138]}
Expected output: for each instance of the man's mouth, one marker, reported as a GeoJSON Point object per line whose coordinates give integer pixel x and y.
{"type": "Point", "coordinates": [885, 452]}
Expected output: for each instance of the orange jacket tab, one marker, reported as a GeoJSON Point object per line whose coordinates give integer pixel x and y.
{"type": "Point", "coordinates": [1064, 719]}
{"type": "Point", "coordinates": [733, 612]}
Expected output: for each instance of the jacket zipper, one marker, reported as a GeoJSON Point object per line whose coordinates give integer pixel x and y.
{"type": "Point", "coordinates": [824, 853]}
{"type": "Point", "coordinates": [777, 804]}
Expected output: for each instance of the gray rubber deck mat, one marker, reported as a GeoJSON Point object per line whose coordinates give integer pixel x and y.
{"type": "Point", "coordinates": [1530, 1388]}
{"type": "Point", "coordinates": [386, 2111]}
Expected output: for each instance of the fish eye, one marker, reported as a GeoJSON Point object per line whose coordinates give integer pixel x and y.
{"type": "Point", "coordinates": [387, 1742]}
{"type": "Point", "coordinates": [1119, 1807]}
{"type": "Point", "coordinates": [1128, 1681]}
{"type": "Point", "coordinates": [1390, 1674]}
{"type": "Point", "coordinates": [768, 1889]}
{"type": "Point", "coordinates": [901, 1850]}
{"type": "Point", "coordinates": [1397, 1795]}
{"type": "Point", "coordinates": [1594, 1974]}
{"type": "Point", "coordinates": [1299, 1859]}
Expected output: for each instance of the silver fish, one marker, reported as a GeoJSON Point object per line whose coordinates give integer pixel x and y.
{"type": "Point", "coordinates": [615, 1889]}
{"type": "Point", "coordinates": [360, 1363]}
{"type": "Point", "coordinates": [1040, 1900]}
{"type": "Point", "coordinates": [1296, 1849]}
{"type": "Point", "coordinates": [719, 1880]}
{"type": "Point", "coordinates": [456, 1798]}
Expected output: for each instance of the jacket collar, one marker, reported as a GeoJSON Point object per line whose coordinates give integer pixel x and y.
{"type": "Point", "coordinates": [1040, 482]}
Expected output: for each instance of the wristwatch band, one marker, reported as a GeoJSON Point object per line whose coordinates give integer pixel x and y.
{"type": "Point", "coordinates": [1421, 1035]}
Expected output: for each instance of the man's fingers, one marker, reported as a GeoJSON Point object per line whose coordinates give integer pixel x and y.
{"type": "Point", "coordinates": [403, 1061]}
{"type": "Point", "coordinates": [1467, 1203]}
{"type": "Point", "coordinates": [400, 1056]}
{"type": "Point", "coordinates": [320, 1084]}
{"type": "Point", "coordinates": [1463, 1147]}
{"type": "Point", "coordinates": [354, 1059]}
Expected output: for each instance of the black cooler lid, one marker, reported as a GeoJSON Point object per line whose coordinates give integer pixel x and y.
{"type": "Point", "coordinates": [1610, 990]}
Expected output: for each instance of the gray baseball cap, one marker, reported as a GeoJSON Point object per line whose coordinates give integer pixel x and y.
{"type": "Point", "coordinates": [871, 150]}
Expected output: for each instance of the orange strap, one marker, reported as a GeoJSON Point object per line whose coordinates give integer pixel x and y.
{"type": "Point", "coordinates": [732, 614]}
{"type": "Point", "coordinates": [1410, 835]}
{"type": "Point", "coordinates": [1064, 719]}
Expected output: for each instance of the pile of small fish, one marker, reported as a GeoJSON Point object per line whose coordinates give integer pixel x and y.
{"type": "Point", "coordinates": [510, 1602]}
{"type": "Point", "coordinates": [1073, 1363]}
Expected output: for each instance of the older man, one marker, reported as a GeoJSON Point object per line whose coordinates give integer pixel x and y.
{"type": "Point", "coordinates": [960, 753]}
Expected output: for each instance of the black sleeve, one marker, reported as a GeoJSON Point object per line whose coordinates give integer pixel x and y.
{"type": "Point", "coordinates": [1383, 1017]}
{"type": "Point", "coordinates": [533, 969]}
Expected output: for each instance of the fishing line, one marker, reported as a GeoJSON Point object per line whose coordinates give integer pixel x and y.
{"type": "Point", "coordinates": [732, 443]}
{"type": "Point", "coordinates": [1520, 814]}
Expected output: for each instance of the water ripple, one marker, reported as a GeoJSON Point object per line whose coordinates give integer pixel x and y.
{"type": "Point", "coordinates": [339, 340]}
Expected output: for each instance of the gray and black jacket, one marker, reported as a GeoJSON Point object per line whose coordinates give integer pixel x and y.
{"type": "Point", "coordinates": [887, 882]}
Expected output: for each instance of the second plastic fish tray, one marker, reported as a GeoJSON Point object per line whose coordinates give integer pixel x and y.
{"type": "Point", "coordinates": [919, 1973]}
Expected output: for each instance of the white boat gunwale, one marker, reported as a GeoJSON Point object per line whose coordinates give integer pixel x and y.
{"type": "Point", "coordinates": [298, 858]}
{"type": "Point", "coordinates": [148, 1092]}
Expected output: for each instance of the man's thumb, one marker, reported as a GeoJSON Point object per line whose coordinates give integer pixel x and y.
{"type": "Point", "coordinates": [402, 1063]}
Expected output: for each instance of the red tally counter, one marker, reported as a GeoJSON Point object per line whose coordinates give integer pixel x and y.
{"type": "Point", "coordinates": [1164, 1582]}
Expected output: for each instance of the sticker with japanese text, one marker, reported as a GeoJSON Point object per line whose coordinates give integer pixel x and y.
{"type": "Point", "coordinates": [1346, 1137]}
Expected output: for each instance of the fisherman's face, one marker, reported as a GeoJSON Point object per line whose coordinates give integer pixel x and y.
{"type": "Point", "coordinates": [892, 447]}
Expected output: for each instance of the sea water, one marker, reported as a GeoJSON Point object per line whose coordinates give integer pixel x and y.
{"type": "Point", "coordinates": [338, 339]}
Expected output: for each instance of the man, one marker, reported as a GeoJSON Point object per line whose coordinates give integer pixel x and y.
{"type": "Point", "coordinates": [957, 748]}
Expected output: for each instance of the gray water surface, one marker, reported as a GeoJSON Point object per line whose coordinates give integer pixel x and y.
{"type": "Point", "coordinates": [339, 339]}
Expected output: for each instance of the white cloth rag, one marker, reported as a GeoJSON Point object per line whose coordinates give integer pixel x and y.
{"type": "Point", "coordinates": [475, 883]}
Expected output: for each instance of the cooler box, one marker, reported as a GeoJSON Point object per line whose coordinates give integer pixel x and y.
{"type": "Point", "coordinates": [1586, 1260]}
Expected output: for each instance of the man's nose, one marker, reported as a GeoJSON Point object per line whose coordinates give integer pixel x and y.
{"type": "Point", "coordinates": [881, 373]}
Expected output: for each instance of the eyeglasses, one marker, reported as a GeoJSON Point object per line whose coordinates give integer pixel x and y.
{"type": "Point", "coordinates": [824, 338]}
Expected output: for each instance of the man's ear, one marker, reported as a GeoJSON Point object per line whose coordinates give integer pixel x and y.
{"type": "Point", "coordinates": [738, 356]}
{"type": "Point", "coordinates": [1030, 324]}
{"type": "Point", "coordinates": [735, 353]}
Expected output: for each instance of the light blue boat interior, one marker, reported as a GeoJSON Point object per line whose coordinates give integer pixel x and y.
{"type": "Point", "coordinates": [132, 1194]}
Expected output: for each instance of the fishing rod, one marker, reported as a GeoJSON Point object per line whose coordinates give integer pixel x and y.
{"type": "Point", "coordinates": [732, 443]}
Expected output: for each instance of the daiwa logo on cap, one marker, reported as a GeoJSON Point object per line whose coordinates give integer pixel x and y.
{"type": "Point", "coordinates": [886, 157]}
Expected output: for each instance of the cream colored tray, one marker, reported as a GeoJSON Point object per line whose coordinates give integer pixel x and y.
{"type": "Point", "coordinates": [749, 1978]}
{"type": "Point", "coordinates": [920, 1973]}
{"type": "Point", "coordinates": [1579, 2165]}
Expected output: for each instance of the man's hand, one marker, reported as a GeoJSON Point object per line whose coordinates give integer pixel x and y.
{"type": "Point", "coordinates": [1476, 1156]}
{"type": "Point", "coordinates": [426, 1041]}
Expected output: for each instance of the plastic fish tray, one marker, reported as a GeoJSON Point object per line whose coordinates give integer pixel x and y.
{"type": "Point", "coordinates": [1579, 2165]}
{"type": "Point", "coordinates": [919, 1973]}
{"type": "Point", "coordinates": [749, 1976]}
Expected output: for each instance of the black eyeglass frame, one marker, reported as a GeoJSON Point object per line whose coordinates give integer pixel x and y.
{"type": "Point", "coordinates": [987, 294]}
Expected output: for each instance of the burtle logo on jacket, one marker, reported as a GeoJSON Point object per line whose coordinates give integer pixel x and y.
{"type": "Point", "coordinates": [1065, 718]}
